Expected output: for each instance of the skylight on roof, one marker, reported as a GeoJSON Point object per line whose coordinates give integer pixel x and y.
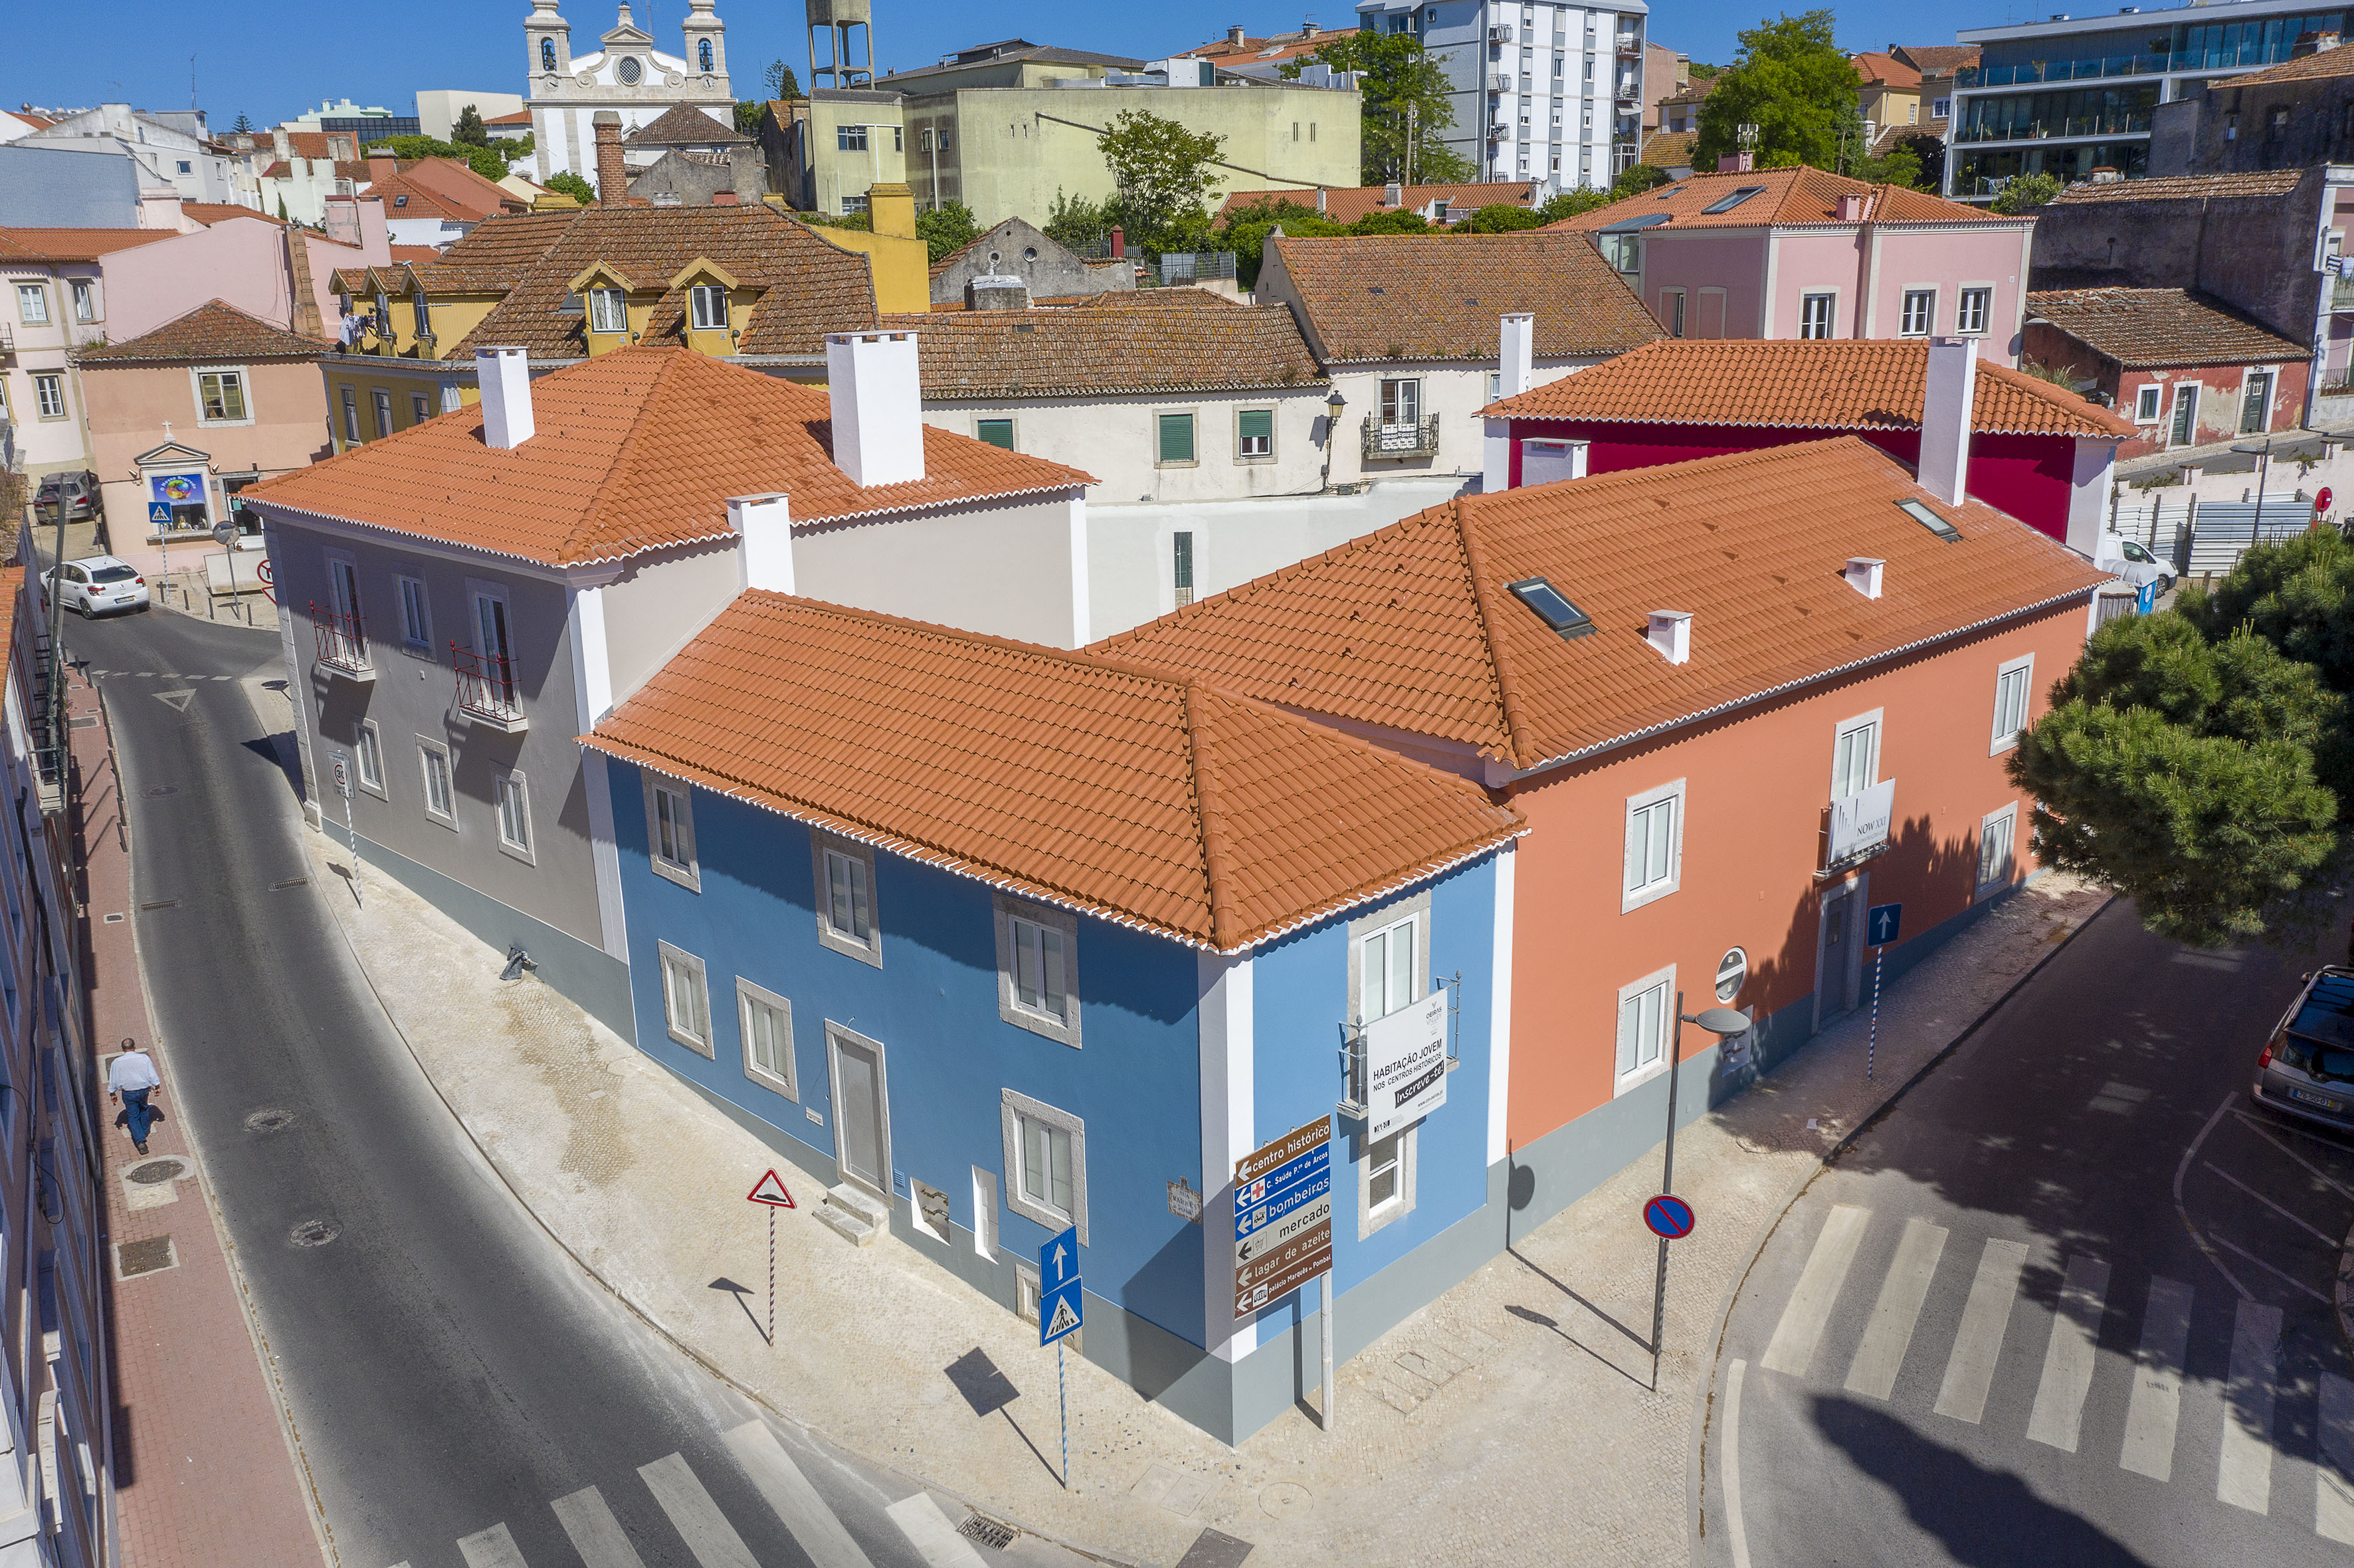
{"type": "Point", "coordinates": [1727, 203]}
{"type": "Point", "coordinates": [1627, 224]}
{"type": "Point", "coordinates": [1931, 520]}
{"type": "Point", "coordinates": [1552, 606]}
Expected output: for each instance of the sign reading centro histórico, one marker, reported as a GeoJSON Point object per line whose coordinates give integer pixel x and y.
{"type": "Point", "coordinates": [1283, 1215]}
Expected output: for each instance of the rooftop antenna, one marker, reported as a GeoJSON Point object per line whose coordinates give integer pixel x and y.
{"type": "Point", "coordinates": [1748, 134]}
{"type": "Point", "coordinates": [192, 81]}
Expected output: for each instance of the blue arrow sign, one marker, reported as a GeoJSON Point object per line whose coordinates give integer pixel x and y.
{"type": "Point", "coordinates": [1883, 921]}
{"type": "Point", "coordinates": [1058, 1260]}
{"type": "Point", "coordinates": [1061, 1309]}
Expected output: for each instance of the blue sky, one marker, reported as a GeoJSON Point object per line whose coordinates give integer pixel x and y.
{"type": "Point", "coordinates": [275, 58]}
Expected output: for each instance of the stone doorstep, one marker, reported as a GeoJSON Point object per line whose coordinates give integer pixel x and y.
{"type": "Point", "coordinates": [853, 1214]}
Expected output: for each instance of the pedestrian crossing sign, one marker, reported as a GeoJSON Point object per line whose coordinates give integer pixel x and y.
{"type": "Point", "coordinates": [159, 514]}
{"type": "Point", "coordinates": [1058, 1314]}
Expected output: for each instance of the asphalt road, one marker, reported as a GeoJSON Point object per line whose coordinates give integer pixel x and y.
{"type": "Point", "coordinates": [449, 1370]}
{"type": "Point", "coordinates": [2064, 1304]}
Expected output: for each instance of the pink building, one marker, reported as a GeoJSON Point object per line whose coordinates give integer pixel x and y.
{"type": "Point", "coordinates": [1799, 253]}
{"type": "Point", "coordinates": [275, 271]}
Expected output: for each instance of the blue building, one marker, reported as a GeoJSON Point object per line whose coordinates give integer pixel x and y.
{"type": "Point", "coordinates": [998, 939]}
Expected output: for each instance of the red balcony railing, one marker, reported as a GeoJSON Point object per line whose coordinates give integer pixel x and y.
{"type": "Point", "coordinates": [486, 687]}
{"type": "Point", "coordinates": [342, 642]}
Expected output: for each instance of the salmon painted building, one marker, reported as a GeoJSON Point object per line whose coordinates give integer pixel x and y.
{"type": "Point", "coordinates": [1738, 700]}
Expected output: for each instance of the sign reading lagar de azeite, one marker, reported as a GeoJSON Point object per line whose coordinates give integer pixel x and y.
{"type": "Point", "coordinates": [1283, 1215]}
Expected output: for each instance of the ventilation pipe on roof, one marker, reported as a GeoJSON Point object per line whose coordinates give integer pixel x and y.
{"type": "Point", "coordinates": [878, 406]}
{"type": "Point", "coordinates": [503, 375]}
{"type": "Point", "coordinates": [1671, 634]}
{"type": "Point", "coordinates": [1948, 401]}
{"type": "Point", "coordinates": [1393, 194]}
{"type": "Point", "coordinates": [763, 525]}
{"type": "Point", "coordinates": [997, 292]}
{"type": "Point", "coordinates": [1864, 575]}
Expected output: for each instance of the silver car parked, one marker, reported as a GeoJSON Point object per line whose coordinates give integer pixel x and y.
{"type": "Point", "coordinates": [2307, 1066]}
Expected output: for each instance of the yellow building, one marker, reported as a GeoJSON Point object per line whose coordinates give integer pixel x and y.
{"type": "Point", "coordinates": [901, 261]}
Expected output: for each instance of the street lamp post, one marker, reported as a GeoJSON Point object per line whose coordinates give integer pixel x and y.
{"type": "Point", "coordinates": [1717, 1020]}
{"type": "Point", "coordinates": [1333, 405]}
{"type": "Point", "coordinates": [2263, 452]}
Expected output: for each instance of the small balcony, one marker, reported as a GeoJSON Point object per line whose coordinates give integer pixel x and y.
{"type": "Point", "coordinates": [1498, 82]}
{"type": "Point", "coordinates": [1501, 33]}
{"type": "Point", "coordinates": [1631, 43]}
{"type": "Point", "coordinates": [2341, 294]}
{"type": "Point", "coordinates": [1410, 438]}
{"type": "Point", "coordinates": [486, 691]}
{"type": "Point", "coordinates": [343, 646]}
{"type": "Point", "coordinates": [1498, 130]}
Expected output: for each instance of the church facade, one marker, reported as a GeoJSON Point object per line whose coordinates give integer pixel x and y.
{"type": "Point", "coordinates": [626, 75]}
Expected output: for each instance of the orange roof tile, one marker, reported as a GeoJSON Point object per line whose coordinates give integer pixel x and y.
{"type": "Point", "coordinates": [2140, 328]}
{"type": "Point", "coordinates": [1884, 70]}
{"type": "Point", "coordinates": [74, 244]}
{"type": "Point", "coordinates": [1077, 353]}
{"type": "Point", "coordinates": [636, 450]}
{"type": "Point", "coordinates": [1870, 384]}
{"type": "Point", "coordinates": [214, 330]}
{"type": "Point", "coordinates": [211, 212]}
{"type": "Point", "coordinates": [2304, 67]}
{"type": "Point", "coordinates": [1139, 797]}
{"type": "Point", "coordinates": [1415, 628]}
{"type": "Point", "coordinates": [1798, 194]}
{"type": "Point", "coordinates": [2186, 188]}
{"type": "Point", "coordinates": [1347, 203]}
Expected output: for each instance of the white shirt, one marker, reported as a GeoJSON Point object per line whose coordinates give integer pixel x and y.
{"type": "Point", "coordinates": [132, 1070]}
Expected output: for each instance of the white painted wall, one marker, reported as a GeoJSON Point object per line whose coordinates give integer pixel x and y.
{"type": "Point", "coordinates": [1117, 439]}
{"type": "Point", "coordinates": [1006, 571]}
{"type": "Point", "coordinates": [1455, 390]}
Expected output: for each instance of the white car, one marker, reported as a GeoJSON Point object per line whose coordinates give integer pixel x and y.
{"type": "Point", "coordinates": [2131, 560]}
{"type": "Point", "coordinates": [99, 585]}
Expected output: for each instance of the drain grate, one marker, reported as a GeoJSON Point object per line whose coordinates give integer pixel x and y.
{"type": "Point", "coordinates": [995, 1535]}
{"type": "Point", "coordinates": [116, 920]}
{"type": "Point", "coordinates": [152, 1255]}
{"type": "Point", "coordinates": [161, 903]}
{"type": "Point", "coordinates": [82, 721]}
{"type": "Point", "coordinates": [161, 790]}
{"type": "Point", "coordinates": [289, 882]}
{"type": "Point", "coordinates": [313, 1232]}
{"type": "Point", "coordinates": [268, 1120]}
{"type": "Point", "coordinates": [156, 1171]}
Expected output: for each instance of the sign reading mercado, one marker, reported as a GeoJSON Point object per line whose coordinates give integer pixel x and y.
{"type": "Point", "coordinates": [1406, 1066]}
{"type": "Point", "coordinates": [1283, 1215]}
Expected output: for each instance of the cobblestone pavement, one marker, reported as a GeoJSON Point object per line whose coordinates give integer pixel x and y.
{"type": "Point", "coordinates": [1512, 1421]}
{"type": "Point", "coordinates": [204, 1475]}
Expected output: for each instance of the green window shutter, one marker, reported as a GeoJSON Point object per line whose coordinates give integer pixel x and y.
{"type": "Point", "coordinates": [1176, 438]}
{"type": "Point", "coordinates": [996, 432]}
{"type": "Point", "coordinates": [1258, 424]}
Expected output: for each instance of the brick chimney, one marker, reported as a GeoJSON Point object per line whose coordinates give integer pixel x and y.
{"type": "Point", "coordinates": [612, 179]}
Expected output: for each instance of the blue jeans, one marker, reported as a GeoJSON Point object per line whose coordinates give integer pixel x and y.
{"type": "Point", "coordinates": [134, 1105]}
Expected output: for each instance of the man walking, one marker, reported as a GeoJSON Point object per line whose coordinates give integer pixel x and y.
{"type": "Point", "coordinates": [131, 1078]}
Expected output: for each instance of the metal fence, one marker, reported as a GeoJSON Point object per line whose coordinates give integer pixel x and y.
{"type": "Point", "coordinates": [1194, 266]}
{"type": "Point", "coordinates": [2222, 531]}
{"type": "Point", "coordinates": [2162, 527]}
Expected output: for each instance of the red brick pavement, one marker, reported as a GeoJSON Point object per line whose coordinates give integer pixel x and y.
{"type": "Point", "coordinates": [205, 1473]}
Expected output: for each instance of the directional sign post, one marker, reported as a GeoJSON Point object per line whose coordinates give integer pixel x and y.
{"type": "Point", "coordinates": [1062, 1312]}
{"type": "Point", "coordinates": [1283, 1226]}
{"type": "Point", "coordinates": [1882, 923]}
{"type": "Point", "coordinates": [770, 1193]}
{"type": "Point", "coordinates": [344, 788]}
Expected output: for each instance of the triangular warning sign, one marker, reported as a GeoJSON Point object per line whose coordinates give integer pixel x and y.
{"type": "Point", "coordinates": [175, 699]}
{"type": "Point", "coordinates": [770, 1190]}
{"type": "Point", "coordinates": [1064, 1320]}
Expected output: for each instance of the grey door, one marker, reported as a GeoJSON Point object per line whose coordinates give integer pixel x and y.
{"type": "Point", "coordinates": [2186, 415]}
{"type": "Point", "coordinates": [2256, 406]}
{"type": "Point", "coordinates": [862, 1139]}
{"type": "Point", "coordinates": [1837, 958]}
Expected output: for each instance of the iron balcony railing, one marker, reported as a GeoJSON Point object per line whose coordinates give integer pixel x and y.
{"type": "Point", "coordinates": [486, 688]}
{"type": "Point", "coordinates": [342, 643]}
{"type": "Point", "coordinates": [1403, 438]}
{"type": "Point", "coordinates": [2341, 294]}
{"type": "Point", "coordinates": [2131, 123]}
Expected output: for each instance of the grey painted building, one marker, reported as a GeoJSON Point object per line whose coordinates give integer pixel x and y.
{"type": "Point", "coordinates": [94, 185]}
{"type": "Point", "coordinates": [1017, 249]}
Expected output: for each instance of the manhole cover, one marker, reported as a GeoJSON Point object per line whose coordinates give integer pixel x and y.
{"type": "Point", "coordinates": [163, 790]}
{"type": "Point", "coordinates": [995, 1535]}
{"type": "Point", "coordinates": [82, 721]}
{"type": "Point", "coordinates": [156, 1171]}
{"type": "Point", "coordinates": [151, 1255]}
{"type": "Point", "coordinates": [268, 1120]}
{"type": "Point", "coordinates": [312, 1232]}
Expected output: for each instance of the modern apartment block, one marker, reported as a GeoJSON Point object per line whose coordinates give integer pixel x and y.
{"type": "Point", "coordinates": [2069, 95]}
{"type": "Point", "coordinates": [1541, 91]}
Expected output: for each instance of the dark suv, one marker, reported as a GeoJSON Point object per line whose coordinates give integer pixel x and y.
{"type": "Point", "coordinates": [78, 492]}
{"type": "Point", "coordinates": [2307, 1066]}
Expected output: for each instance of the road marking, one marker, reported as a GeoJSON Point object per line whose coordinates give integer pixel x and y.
{"type": "Point", "coordinates": [2244, 1476]}
{"type": "Point", "coordinates": [1969, 1370]}
{"type": "Point", "coordinates": [2291, 1279]}
{"type": "Point", "coordinates": [596, 1533]}
{"type": "Point", "coordinates": [2276, 1208]}
{"type": "Point", "coordinates": [2157, 1404]}
{"type": "Point", "coordinates": [928, 1529]}
{"type": "Point", "coordinates": [1736, 1532]}
{"type": "Point", "coordinates": [178, 700]}
{"type": "Point", "coordinates": [1890, 1334]}
{"type": "Point", "coordinates": [2183, 1169]}
{"type": "Point", "coordinates": [1805, 1315]}
{"type": "Point", "coordinates": [2323, 1175]}
{"type": "Point", "coordinates": [796, 1501]}
{"type": "Point", "coordinates": [494, 1548]}
{"type": "Point", "coordinates": [2333, 1502]}
{"type": "Point", "coordinates": [694, 1516]}
{"type": "Point", "coordinates": [2059, 1413]}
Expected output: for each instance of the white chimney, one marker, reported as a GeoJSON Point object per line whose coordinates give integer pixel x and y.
{"type": "Point", "coordinates": [1516, 339]}
{"type": "Point", "coordinates": [1671, 634]}
{"type": "Point", "coordinates": [763, 525]}
{"type": "Point", "coordinates": [1393, 194]}
{"type": "Point", "coordinates": [1864, 575]}
{"type": "Point", "coordinates": [878, 406]}
{"type": "Point", "coordinates": [503, 375]}
{"type": "Point", "coordinates": [1948, 403]}
{"type": "Point", "coordinates": [1320, 198]}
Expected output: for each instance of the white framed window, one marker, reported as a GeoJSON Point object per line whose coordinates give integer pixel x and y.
{"type": "Point", "coordinates": [1941, 109]}
{"type": "Point", "coordinates": [609, 311]}
{"type": "Point", "coordinates": [1918, 314]}
{"type": "Point", "coordinates": [1038, 968]}
{"type": "Point", "coordinates": [669, 831]}
{"type": "Point", "coordinates": [1973, 309]}
{"type": "Point", "coordinates": [2012, 683]}
{"type": "Point", "coordinates": [85, 299]}
{"type": "Point", "coordinates": [765, 1022]}
{"type": "Point", "coordinates": [515, 814]}
{"type": "Point", "coordinates": [2146, 403]}
{"type": "Point", "coordinates": [441, 798]}
{"type": "Point", "coordinates": [351, 418]}
{"type": "Point", "coordinates": [33, 304]}
{"type": "Point", "coordinates": [1815, 312]}
{"type": "Point", "coordinates": [1385, 1181]}
{"type": "Point", "coordinates": [1401, 401]}
{"type": "Point", "coordinates": [1855, 755]}
{"type": "Point", "coordinates": [1646, 1014]}
{"type": "Point", "coordinates": [686, 998]}
{"type": "Point", "coordinates": [1389, 969]}
{"type": "Point", "coordinates": [1996, 859]}
{"type": "Point", "coordinates": [220, 396]}
{"type": "Point", "coordinates": [368, 750]}
{"type": "Point", "coordinates": [416, 613]}
{"type": "Point", "coordinates": [1045, 1164]}
{"type": "Point", "coordinates": [50, 396]}
{"type": "Point", "coordinates": [984, 1213]}
{"type": "Point", "coordinates": [1655, 845]}
{"type": "Point", "coordinates": [1254, 434]}
{"type": "Point", "coordinates": [847, 919]}
{"type": "Point", "coordinates": [709, 302]}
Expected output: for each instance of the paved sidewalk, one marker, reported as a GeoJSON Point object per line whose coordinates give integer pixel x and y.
{"type": "Point", "coordinates": [204, 1475]}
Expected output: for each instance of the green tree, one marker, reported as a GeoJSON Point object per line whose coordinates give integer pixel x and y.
{"type": "Point", "coordinates": [491, 163]}
{"type": "Point", "coordinates": [748, 117]}
{"type": "Point", "coordinates": [1792, 80]}
{"type": "Point", "coordinates": [572, 185]}
{"type": "Point", "coordinates": [1638, 179]}
{"type": "Point", "coordinates": [469, 131]}
{"type": "Point", "coordinates": [1503, 218]}
{"type": "Point", "coordinates": [1075, 221]}
{"type": "Point", "coordinates": [1900, 165]}
{"type": "Point", "coordinates": [282, 211]}
{"type": "Point", "coordinates": [243, 123]}
{"type": "Point", "coordinates": [780, 82]}
{"type": "Point", "coordinates": [2021, 192]}
{"type": "Point", "coordinates": [1162, 173]}
{"type": "Point", "coordinates": [947, 228]}
{"type": "Point", "coordinates": [1402, 87]}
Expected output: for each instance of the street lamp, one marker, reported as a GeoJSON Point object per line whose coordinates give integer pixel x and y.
{"type": "Point", "coordinates": [1333, 404]}
{"type": "Point", "coordinates": [1719, 1022]}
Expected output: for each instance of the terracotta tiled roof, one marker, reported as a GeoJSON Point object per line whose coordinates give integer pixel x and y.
{"type": "Point", "coordinates": [1415, 628]}
{"type": "Point", "coordinates": [2338, 61]}
{"type": "Point", "coordinates": [1928, 129]}
{"type": "Point", "coordinates": [1884, 70]}
{"type": "Point", "coordinates": [1692, 91]}
{"type": "Point", "coordinates": [309, 144]}
{"type": "Point", "coordinates": [1146, 799]}
{"type": "Point", "coordinates": [1347, 203]}
{"type": "Point", "coordinates": [456, 183]}
{"type": "Point", "coordinates": [212, 331]}
{"type": "Point", "coordinates": [1001, 355]}
{"type": "Point", "coordinates": [685, 125]}
{"type": "Point", "coordinates": [74, 244]}
{"type": "Point", "coordinates": [520, 117]}
{"type": "Point", "coordinates": [637, 450]}
{"type": "Point", "coordinates": [2186, 188]}
{"type": "Point", "coordinates": [404, 197]}
{"type": "Point", "coordinates": [1275, 48]}
{"type": "Point", "coordinates": [415, 255]}
{"type": "Point", "coordinates": [1669, 149]}
{"type": "Point", "coordinates": [1800, 195]}
{"type": "Point", "coordinates": [495, 254]}
{"type": "Point", "coordinates": [2140, 328]}
{"type": "Point", "coordinates": [279, 170]}
{"type": "Point", "coordinates": [1871, 384]}
{"type": "Point", "coordinates": [1937, 59]}
{"type": "Point", "coordinates": [1412, 297]}
{"type": "Point", "coordinates": [211, 212]}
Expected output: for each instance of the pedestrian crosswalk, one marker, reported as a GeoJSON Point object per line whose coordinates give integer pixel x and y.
{"type": "Point", "coordinates": [2243, 1401]}
{"type": "Point", "coordinates": [590, 1523]}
